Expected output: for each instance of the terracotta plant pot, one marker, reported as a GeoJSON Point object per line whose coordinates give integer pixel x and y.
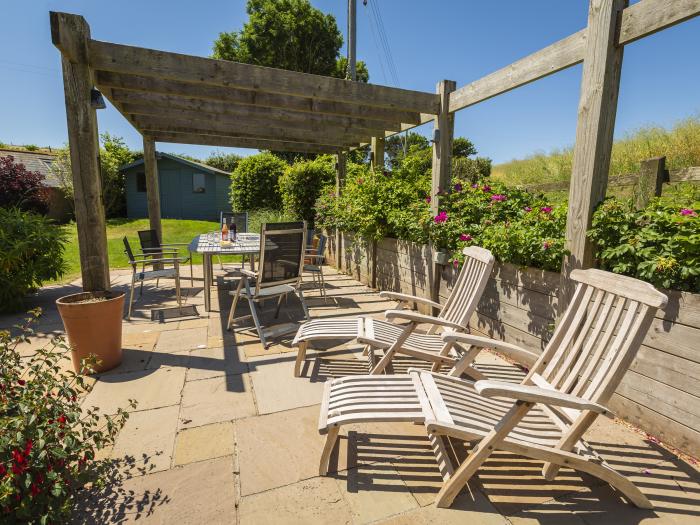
{"type": "Point", "coordinates": [94, 327]}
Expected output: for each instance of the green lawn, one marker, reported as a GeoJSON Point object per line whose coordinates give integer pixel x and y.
{"type": "Point", "coordinates": [174, 230]}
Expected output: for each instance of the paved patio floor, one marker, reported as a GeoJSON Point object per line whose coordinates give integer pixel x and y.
{"type": "Point", "coordinates": [223, 433]}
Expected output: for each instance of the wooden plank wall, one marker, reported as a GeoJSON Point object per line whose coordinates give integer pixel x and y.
{"type": "Point", "coordinates": [661, 391]}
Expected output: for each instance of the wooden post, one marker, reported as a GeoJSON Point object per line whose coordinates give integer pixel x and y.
{"type": "Point", "coordinates": [652, 175]}
{"type": "Point", "coordinates": [600, 84]}
{"type": "Point", "coordinates": [150, 164]}
{"type": "Point", "coordinates": [340, 173]}
{"type": "Point", "coordinates": [443, 131]}
{"type": "Point", "coordinates": [377, 153]}
{"type": "Point", "coordinates": [71, 34]}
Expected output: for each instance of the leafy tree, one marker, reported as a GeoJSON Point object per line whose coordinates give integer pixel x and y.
{"type": "Point", "coordinates": [290, 157]}
{"type": "Point", "coordinates": [397, 146]}
{"type": "Point", "coordinates": [20, 187]}
{"type": "Point", "coordinates": [359, 155]}
{"type": "Point", "coordinates": [462, 147]}
{"type": "Point", "coordinates": [254, 183]}
{"type": "Point", "coordinates": [223, 161]}
{"type": "Point", "coordinates": [471, 169]}
{"type": "Point", "coordinates": [341, 70]}
{"type": "Point", "coordinates": [301, 185]}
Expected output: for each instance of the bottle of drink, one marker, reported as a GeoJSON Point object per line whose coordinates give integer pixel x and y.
{"type": "Point", "coordinates": [233, 232]}
{"type": "Point", "coordinates": [224, 232]}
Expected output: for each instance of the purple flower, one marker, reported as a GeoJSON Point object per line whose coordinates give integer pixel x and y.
{"type": "Point", "coordinates": [498, 197]}
{"type": "Point", "coordinates": [465, 237]}
{"type": "Point", "coordinates": [527, 208]}
{"type": "Point", "coordinates": [546, 245]}
{"type": "Point", "coordinates": [428, 199]}
{"type": "Point", "coordinates": [475, 186]}
{"type": "Point", "coordinates": [688, 211]}
{"type": "Point", "coordinates": [486, 188]}
{"type": "Point", "coordinates": [458, 187]}
{"type": "Point", "coordinates": [546, 209]}
{"type": "Point", "coordinates": [440, 217]}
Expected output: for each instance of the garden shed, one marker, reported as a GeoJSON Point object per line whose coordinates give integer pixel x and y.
{"type": "Point", "coordinates": [188, 189]}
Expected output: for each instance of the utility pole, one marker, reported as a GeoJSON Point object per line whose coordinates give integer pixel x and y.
{"type": "Point", "coordinates": [352, 42]}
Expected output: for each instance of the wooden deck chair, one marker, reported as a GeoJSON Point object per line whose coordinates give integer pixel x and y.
{"type": "Point", "coordinates": [454, 316]}
{"type": "Point", "coordinates": [279, 272]}
{"type": "Point", "coordinates": [544, 417]}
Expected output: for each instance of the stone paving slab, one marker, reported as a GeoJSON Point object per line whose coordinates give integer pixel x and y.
{"type": "Point", "coordinates": [205, 442]}
{"type": "Point", "coordinates": [214, 362]}
{"type": "Point", "coordinates": [180, 340]}
{"type": "Point", "coordinates": [215, 400]}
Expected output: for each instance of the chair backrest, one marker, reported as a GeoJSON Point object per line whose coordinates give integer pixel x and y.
{"type": "Point", "coordinates": [149, 240]}
{"type": "Point", "coordinates": [240, 219]}
{"type": "Point", "coordinates": [282, 247]}
{"type": "Point", "coordinates": [472, 279]}
{"type": "Point", "coordinates": [320, 248]}
{"type": "Point", "coordinates": [129, 253]}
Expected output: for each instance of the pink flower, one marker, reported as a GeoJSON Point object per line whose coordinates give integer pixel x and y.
{"type": "Point", "coordinates": [498, 197]}
{"type": "Point", "coordinates": [455, 263]}
{"type": "Point", "coordinates": [465, 237]}
{"type": "Point", "coordinates": [688, 211]}
{"type": "Point", "coordinates": [527, 208]}
{"type": "Point", "coordinates": [546, 209]}
{"type": "Point", "coordinates": [21, 382]}
{"type": "Point", "coordinates": [486, 188]}
{"type": "Point", "coordinates": [475, 186]}
{"type": "Point", "coordinates": [458, 187]}
{"type": "Point", "coordinates": [360, 180]}
{"type": "Point", "coordinates": [428, 199]}
{"type": "Point", "coordinates": [440, 217]}
{"type": "Point", "coordinates": [546, 245]}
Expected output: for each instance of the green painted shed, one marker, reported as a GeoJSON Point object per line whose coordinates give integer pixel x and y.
{"type": "Point", "coordinates": [188, 190]}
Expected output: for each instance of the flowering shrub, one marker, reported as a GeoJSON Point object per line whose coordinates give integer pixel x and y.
{"type": "Point", "coordinates": [48, 441]}
{"type": "Point", "coordinates": [31, 251]}
{"type": "Point", "coordinates": [659, 244]}
{"type": "Point", "coordinates": [21, 187]}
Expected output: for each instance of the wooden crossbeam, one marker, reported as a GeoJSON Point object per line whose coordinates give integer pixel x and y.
{"type": "Point", "coordinates": [133, 60]}
{"type": "Point", "coordinates": [147, 123]}
{"type": "Point", "coordinates": [242, 142]}
{"type": "Point", "coordinates": [152, 102]}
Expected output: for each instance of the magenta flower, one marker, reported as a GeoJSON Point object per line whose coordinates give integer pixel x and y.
{"type": "Point", "coordinates": [486, 188]}
{"type": "Point", "coordinates": [475, 186]}
{"type": "Point", "coordinates": [546, 209]}
{"type": "Point", "coordinates": [498, 197]}
{"type": "Point", "coordinates": [458, 187]}
{"type": "Point", "coordinates": [546, 245]}
{"type": "Point", "coordinates": [360, 180]}
{"type": "Point", "coordinates": [527, 208]}
{"type": "Point", "coordinates": [428, 199]}
{"type": "Point", "coordinates": [440, 218]}
{"type": "Point", "coordinates": [465, 237]}
{"type": "Point", "coordinates": [689, 212]}
{"type": "Point", "coordinates": [455, 263]}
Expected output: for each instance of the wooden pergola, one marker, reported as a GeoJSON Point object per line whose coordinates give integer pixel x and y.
{"type": "Point", "coordinates": [170, 97]}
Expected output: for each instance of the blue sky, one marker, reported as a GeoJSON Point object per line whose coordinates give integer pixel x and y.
{"type": "Point", "coordinates": [447, 39]}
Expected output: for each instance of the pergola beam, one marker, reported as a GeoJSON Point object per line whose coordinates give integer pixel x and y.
{"type": "Point", "coordinates": [242, 142]}
{"type": "Point", "coordinates": [118, 58]}
{"type": "Point", "coordinates": [151, 125]}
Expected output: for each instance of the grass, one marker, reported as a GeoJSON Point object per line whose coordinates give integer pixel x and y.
{"type": "Point", "coordinates": [174, 231]}
{"type": "Point", "coordinates": [680, 145]}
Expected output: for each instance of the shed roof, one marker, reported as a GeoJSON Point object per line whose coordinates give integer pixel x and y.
{"type": "Point", "coordinates": [181, 160]}
{"type": "Point", "coordinates": [35, 161]}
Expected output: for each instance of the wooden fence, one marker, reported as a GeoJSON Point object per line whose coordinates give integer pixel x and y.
{"type": "Point", "coordinates": [661, 391]}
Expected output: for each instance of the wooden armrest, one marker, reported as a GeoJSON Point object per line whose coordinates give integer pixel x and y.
{"type": "Point", "coordinates": [405, 298]}
{"type": "Point", "coordinates": [520, 355]}
{"type": "Point", "coordinates": [248, 273]}
{"type": "Point", "coordinates": [420, 318]}
{"type": "Point", "coordinates": [535, 394]}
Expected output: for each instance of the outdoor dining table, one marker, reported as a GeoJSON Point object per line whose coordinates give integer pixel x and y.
{"type": "Point", "coordinates": [209, 244]}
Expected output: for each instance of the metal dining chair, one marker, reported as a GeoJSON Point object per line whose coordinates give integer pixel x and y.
{"type": "Point", "coordinates": [279, 271]}
{"type": "Point", "coordinates": [240, 219]}
{"type": "Point", "coordinates": [150, 244]}
{"type": "Point", "coordinates": [313, 263]}
{"type": "Point", "coordinates": [147, 259]}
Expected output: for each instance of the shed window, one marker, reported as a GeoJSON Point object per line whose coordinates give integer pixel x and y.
{"type": "Point", "coordinates": [141, 182]}
{"type": "Point", "coordinates": [198, 183]}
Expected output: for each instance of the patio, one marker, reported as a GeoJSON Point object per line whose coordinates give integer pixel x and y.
{"type": "Point", "coordinates": [223, 433]}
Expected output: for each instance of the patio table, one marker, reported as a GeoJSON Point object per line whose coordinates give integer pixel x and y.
{"type": "Point", "coordinates": [209, 244]}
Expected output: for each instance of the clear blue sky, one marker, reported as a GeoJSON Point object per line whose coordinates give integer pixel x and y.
{"type": "Point", "coordinates": [430, 40]}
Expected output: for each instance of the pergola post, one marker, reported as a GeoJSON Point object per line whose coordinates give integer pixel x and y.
{"type": "Point", "coordinates": [443, 131]}
{"type": "Point", "coordinates": [340, 174]}
{"type": "Point", "coordinates": [71, 34]}
{"type": "Point", "coordinates": [152, 186]}
{"type": "Point", "coordinates": [602, 65]}
{"type": "Point", "coordinates": [377, 155]}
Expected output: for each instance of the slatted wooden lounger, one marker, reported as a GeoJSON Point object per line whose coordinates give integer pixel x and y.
{"type": "Point", "coordinates": [544, 417]}
{"type": "Point", "coordinates": [403, 338]}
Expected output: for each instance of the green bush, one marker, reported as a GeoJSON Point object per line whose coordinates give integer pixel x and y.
{"type": "Point", "coordinates": [301, 184]}
{"type": "Point", "coordinates": [254, 183]}
{"type": "Point", "coordinates": [659, 244]}
{"type": "Point", "coordinates": [31, 251]}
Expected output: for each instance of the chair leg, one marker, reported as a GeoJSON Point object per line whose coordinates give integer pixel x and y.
{"type": "Point", "coordinates": [234, 303]}
{"type": "Point", "coordinates": [301, 356]}
{"type": "Point", "coordinates": [131, 297]}
{"type": "Point", "coordinates": [279, 305]}
{"type": "Point", "coordinates": [300, 294]}
{"type": "Point", "coordinates": [177, 290]}
{"type": "Point", "coordinates": [331, 438]}
{"type": "Point", "coordinates": [258, 326]}
{"type": "Point", "coordinates": [191, 273]}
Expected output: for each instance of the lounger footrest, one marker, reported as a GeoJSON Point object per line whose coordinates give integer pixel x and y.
{"type": "Point", "coordinates": [356, 399]}
{"type": "Point", "coordinates": [332, 328]}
